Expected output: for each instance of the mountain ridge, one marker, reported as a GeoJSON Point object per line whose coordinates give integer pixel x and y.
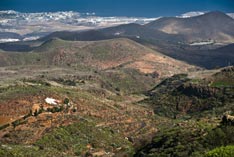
{"type": "Point", "coordinates": [209, 26]}
{"type": "Point", "coordinates": [104, 54]}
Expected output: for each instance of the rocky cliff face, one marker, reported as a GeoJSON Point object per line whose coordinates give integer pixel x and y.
{"type": "Point", "coordinates": [198, 90]}
{"type": "Point", "coordinates": [179, 95]}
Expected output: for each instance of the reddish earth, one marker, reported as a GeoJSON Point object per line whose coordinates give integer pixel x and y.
{"type": "Point", "coordinates": [5, 119]}
{"type": "Point", "coordinates": [129, 120]}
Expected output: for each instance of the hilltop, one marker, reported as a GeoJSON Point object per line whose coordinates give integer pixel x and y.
{"type": "Point", "coordinates": [215, 26]}
{"type": "Point", "coordinates": [103, 55]}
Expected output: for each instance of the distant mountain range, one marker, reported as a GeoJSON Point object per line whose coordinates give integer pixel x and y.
{"type": "Point", "coordinates": [205, 40]}
{"type": "Point", "coordinates": [35, 25]}
{"type": "Point", "coordinates": [215, 26]}
{"type": "Point", "coordinates": [31, 26]}
{"type": "Point", "coordinates": [209, 28]}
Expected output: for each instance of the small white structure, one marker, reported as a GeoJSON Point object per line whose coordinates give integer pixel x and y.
{"type": "Point", "coordinates": [138, 37]}
{"type": "Point", "coordinates": [51, 101]}
{"type": "Point", "coordinates": [117, 33]}
{"type": "Point", "coordinates": [202, 43]}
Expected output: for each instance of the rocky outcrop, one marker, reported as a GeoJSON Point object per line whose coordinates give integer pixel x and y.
{"type": "Point", "coordinates": [228, 69]}
{"type": "Point", "coordinates": [228, 120]}
{"type": "Point", "coordinates": [198, 90]}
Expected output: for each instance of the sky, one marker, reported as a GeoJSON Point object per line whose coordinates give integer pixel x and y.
{"type": "Point", "coordinates": [136, 8]}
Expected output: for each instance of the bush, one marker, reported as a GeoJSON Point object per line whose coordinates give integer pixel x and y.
{"type": "Point", "coordinates": [66, 101]}
{"type": "Point", "coordinates": [16, 123]}
{"type": "Point", "coordinates": [227, 151]}
{"type": "Point", "coordinates": [4, 126]}
{"type": "Point", "coordinates": [55, 109]}
{"type": "Point", "coordinates": [222, 135]}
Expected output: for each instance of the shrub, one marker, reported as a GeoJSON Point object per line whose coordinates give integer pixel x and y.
{"type": "Point", "coordinates": [66, 101]}
{"type": "Point", "coordinates": [227, 151]}
{"type": "Point", "coordinates": [4, 126]}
